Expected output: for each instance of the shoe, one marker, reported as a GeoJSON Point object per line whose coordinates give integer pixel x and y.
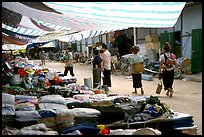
{"type": "Point", "coordinates": [171, 92]}
{"type": "Point", "coordinates": [142, 91]}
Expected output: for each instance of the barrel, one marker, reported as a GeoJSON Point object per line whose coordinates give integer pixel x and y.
{"type": "Point", "coordinates": [88, 82]}
{"type": "Point", "coordinates": [96, 77]}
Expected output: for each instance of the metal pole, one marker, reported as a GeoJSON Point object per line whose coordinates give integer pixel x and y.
{"type": "Point", "coordinates": [134, 36]}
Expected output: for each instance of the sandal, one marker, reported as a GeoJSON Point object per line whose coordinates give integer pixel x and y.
{"type": "Point", "coordinates": [171, 92]}
{"type": "Point", "coordinates": [142, 91]}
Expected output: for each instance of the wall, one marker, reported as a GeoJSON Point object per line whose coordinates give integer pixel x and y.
{"type": "Point", "coordinates": [191, 19]}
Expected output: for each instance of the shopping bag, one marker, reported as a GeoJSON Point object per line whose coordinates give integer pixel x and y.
{"type": "Point", "coordinates": [159, 87]}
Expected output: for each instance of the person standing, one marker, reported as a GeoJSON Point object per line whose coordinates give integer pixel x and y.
{"type": "Point", "coordinates": [96, 67]}
{"type": "Point", "coordinates": [135, 71]}
{"type": "Point", "coordinates": [167, 65]}
{"type": "Point", "coordinates": [68, 62]}
{"type": "Point", "coordinates": [42, 57]}
{"type": "Point", "coordinates": [106, 66]}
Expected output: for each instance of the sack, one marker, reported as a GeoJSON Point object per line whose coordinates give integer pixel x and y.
{"type": "Point", "coordinates": [137, 68]}
{"type": "Point", "coordinates": [159, 87]}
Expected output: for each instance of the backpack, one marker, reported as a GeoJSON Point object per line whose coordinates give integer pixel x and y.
{"type": "Point", "coordinates": [169, 61]}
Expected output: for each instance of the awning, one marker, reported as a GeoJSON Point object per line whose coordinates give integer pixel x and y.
{"type": "Point", "coordinates": [89, 17]}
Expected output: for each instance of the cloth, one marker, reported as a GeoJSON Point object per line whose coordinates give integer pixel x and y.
{"type": "Point", "coordinates": [137, 80]}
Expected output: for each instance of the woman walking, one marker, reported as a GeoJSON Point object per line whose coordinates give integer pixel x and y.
{"type": "Point", "coordinates": [167, 65]}
{"type": "Point", "coordinates": [136, 69]}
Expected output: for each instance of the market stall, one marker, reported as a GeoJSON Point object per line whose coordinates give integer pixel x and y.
{"type": "Point", "coordinates": [42, 98]}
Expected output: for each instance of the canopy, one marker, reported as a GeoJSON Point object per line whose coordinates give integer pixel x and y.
{"type": "Point", "coordinates": [39, 18]}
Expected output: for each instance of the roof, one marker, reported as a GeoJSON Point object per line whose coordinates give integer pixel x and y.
{"type": "Point", "coordinates": [88, 18]}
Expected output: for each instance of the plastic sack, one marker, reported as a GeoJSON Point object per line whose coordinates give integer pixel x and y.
{"type": "Point", "coordinates": [52, 106]}
{"type": "Point", "coordinates": [58, 99]}
{"type": "Point", "coordinates": [23, 116]}
{"type": "Point", "coordinates": [8, 109]}
{"type": "Point", "coordinates": [8, 99]}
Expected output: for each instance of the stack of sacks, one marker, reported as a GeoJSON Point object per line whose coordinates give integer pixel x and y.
{"type": "Point", "coordinates": [82, 115]}
{"type": "Point", "coordinates": [8, 109]}
{"type": "Point", "coordinates": [38, 129]}
{"type": "Point", "coordinates": [53, 109]}
{"type": "Point", "coordinates": [25, 107]}
{"type": "Point", "coordinates": [64, 118]}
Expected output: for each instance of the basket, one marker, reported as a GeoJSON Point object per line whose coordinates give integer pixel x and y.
{"type": "Point", "coordinates": [137, 68]}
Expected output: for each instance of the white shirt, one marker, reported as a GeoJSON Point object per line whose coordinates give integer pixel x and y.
{"type": "Point", "coordinates": [106, 56]}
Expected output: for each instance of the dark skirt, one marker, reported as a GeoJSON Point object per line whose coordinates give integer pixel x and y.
{"type": "Point", "coordinates": [107, 77]}
{"type": "Point", "coordinates": [168, 79]}
{"type": "Point", "coordinates": [137, 80]}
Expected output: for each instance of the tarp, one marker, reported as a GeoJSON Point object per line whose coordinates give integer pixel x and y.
{"type": "Point", "coordinates": [94, 16]}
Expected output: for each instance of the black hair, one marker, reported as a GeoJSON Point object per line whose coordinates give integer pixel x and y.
{"type": "Point", "coordinates": [104, 46]}
{"type": "Point", "coordinates": [95, 51]}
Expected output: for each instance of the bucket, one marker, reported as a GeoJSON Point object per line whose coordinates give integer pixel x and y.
{"type": "Point", "coordinates": [88, 82]}
{"type": "Point", "coordinates": [147, 77]}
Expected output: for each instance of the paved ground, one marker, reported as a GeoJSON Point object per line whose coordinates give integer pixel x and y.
{"type": "Point", "coordinates": [187, 96]}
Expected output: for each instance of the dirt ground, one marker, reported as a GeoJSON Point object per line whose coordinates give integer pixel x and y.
{"type": "Point", "coordinates": [187, 96]}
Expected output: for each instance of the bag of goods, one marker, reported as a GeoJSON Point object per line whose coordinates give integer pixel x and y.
{"type": "Point", "coordinates": [8, 110]}
{"type": "Point", "coordinates": [58, 99]}
{"type": "Point", "coordinates": [37, 129]}
{"type": "Point", "coordinates": [82, 97]}
{"type": "Point", "coordinates": [24, 116]}
{"type": "Point", "coordinates": [48, 117]}
{"type": "Point", "coordinates": [52, 106]}
{"type": "Point", "coordinates": [25, 103]}
{"type": "Point", "coordinates": [8, 99]}
{"type": "Point", "coordinates": [65, 118]}
{"type": "Point", "coordinates": [98, 96]}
